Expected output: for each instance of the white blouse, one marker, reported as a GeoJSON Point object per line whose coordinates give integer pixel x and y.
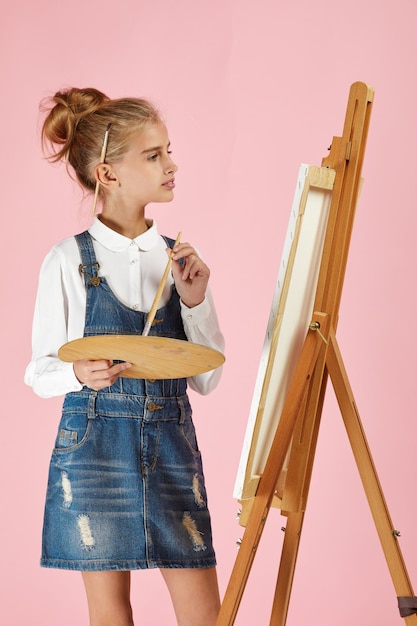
{"type": "Point", "coordinates": [133, 269]}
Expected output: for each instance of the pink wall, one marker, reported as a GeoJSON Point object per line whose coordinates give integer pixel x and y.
{"type": "Point", "coordinates": [249, 91]}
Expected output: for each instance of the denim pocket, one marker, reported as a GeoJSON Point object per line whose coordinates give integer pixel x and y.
{"type": "Point", "coordinates": [73, 432]}
{"type": "Point", "coordinates": [189, 435]}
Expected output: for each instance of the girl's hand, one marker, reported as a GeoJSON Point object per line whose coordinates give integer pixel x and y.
{"type": "Point", "coordinates": [191, 279]}
{"type": "Point", "coordinates": [98, 374]}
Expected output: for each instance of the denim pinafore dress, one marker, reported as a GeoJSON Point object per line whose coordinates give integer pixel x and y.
{"type": "Point", "coordinates": [126, 487]}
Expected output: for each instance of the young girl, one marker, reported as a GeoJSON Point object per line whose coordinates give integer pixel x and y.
{"type": "Point", "coordinates": [126, 486]}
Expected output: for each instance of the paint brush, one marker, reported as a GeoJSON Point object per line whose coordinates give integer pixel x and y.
{"type": "Point", "coordinates": [154, 308]}
{"type": "Point", "coordinates": [102, 159]}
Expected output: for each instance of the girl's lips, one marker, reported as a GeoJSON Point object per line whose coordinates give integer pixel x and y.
{"type": "Point", "coordinates": [170, 184]}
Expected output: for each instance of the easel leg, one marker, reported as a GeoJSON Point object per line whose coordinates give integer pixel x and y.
{"type": "Point", "coordinates": [297, 484]}
{"type": "Point", "coordinates": [368, 474]}
{"type": "Point", "coordinates": [287, 568]}
{"type": "Point", "coordinates": [267, 485]}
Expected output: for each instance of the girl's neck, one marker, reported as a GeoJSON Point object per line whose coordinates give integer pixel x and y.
{"type": "Point", "coordinates": [128, 225]}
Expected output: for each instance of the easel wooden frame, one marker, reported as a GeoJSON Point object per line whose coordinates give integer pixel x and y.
{"type": "Point", "coordinates": [300, 418]}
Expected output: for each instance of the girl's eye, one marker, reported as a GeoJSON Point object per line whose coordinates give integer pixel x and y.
{"type": "Point", "coordinates": [153, 157]}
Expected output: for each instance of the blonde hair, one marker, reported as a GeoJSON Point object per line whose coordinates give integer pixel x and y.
{"type": "Point", "coordinates": [76, 123]}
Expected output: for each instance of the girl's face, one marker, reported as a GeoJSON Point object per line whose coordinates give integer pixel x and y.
{"type": "Point", "coordinates": [146, 172]}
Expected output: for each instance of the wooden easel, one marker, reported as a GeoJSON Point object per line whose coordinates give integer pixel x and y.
{"type": "Point", "coordinates": [298, 426]}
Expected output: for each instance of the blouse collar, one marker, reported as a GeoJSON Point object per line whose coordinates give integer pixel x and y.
{"type": "Point", "coordinates": [116, 242]}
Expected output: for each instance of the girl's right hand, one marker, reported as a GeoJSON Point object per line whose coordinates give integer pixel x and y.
{"type": "Point", "coordinates": [98, 374]}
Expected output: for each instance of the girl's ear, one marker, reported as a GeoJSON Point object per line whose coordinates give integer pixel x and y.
{"type": "Point", "coordinates": [106, 176]}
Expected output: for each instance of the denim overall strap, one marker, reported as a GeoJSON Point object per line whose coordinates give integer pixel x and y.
{"type": "Point", "coordinates": [89, 266]}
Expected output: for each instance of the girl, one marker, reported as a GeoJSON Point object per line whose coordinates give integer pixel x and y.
{"type": "Point", "coordinates": [126, 486]}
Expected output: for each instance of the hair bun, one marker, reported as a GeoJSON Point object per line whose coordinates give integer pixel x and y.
{"type": "Point", "coordinates": [65, 110]}
{"type": "Point", "coordinates": [81, 101]}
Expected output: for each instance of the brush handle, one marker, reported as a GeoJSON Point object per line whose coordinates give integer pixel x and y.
{"type": "Point", "coordinates": [154, 307]}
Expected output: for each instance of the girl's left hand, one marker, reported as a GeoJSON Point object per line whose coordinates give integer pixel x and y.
{"type": "Point", "coordinates": [191, 279]}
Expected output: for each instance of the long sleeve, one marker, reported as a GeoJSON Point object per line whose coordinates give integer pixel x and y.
{"type": "Point", "coordinates": [46, 373]}
{"type": "Point", "coordinates": [201, 326]}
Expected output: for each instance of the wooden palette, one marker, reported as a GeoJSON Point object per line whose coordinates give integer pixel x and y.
{"type": "Point", "coordinates": [151, 357]}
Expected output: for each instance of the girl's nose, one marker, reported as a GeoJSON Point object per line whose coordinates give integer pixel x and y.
{"type": "Point", "coordinates": [171, 168]}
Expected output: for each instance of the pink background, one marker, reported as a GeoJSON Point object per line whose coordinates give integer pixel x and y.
{"type": "Point", "coordinates": [249, 90]}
